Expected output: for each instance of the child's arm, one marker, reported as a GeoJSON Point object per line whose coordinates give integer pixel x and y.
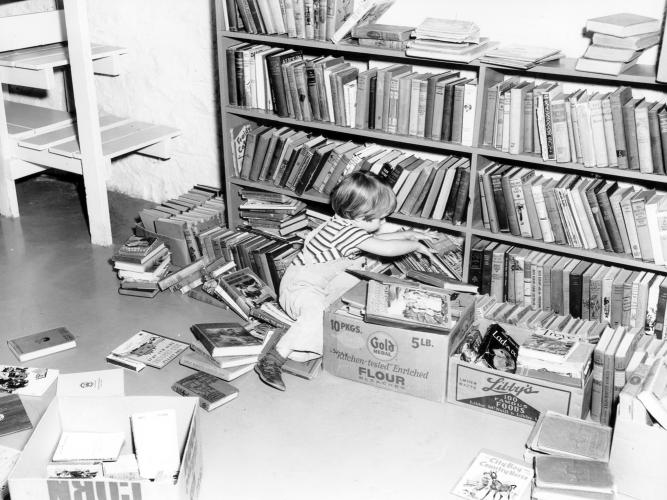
{"type": "Point", "coordinates": [393, 247]}
{"type": "Point", "coordinates": [415, 234]}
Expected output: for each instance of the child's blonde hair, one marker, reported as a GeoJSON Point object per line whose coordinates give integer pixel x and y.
{"type": "Point", "coordinates": [362, 195]}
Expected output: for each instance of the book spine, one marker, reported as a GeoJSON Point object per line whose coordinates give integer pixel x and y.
{"type": "Point", "coordinates": [528, 122]}
{"type": "Point", "coordinates": [469, 107]}
{"type": "Point", "coordinates": [597, 128]}
{"type": "Point", "coordinates": [512, 218]}
{"type": "Point", "coordinates": [490, 116]}
{"type": "Point", "coordinates": [313, 93]}
{"type": "Point", "coordinates": [643, 231]}
{"type": "Point", "coordinates": [619, 131]}
{"type": "Point", "coordinates": [548, 127]}
{"type": "Point", "coordinates": [644, 152]}
{"type": "Point", "coordinates": [655, 141]}
{"type": "Point", "coordinates": [519, 199]}
{"type": "Point", "coordinates": [561, 139]}
{"type": "Point", "coordinates": [499, 200]}
{"type": "Point", "coordinates": [630, 130]}
{"type": "Point", "coordinates": [457, 113]}
{"type": "Point", "coordinates": [610, 223]}
{"type": "Point", "coordinates": [542, 214]}
{"type": "Point", "coordinates": [608, 122]}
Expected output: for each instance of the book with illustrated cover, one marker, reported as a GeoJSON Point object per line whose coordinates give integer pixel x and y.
{"type": "Point", "coordinates": [546, 348]}
{"type": "Point", "coordinates": [498, 349]}
{"type": "Point", "coordinates": [26, 381]}
{"type": "Point", "coordinates": [14, 417]}
{"type": "Point", "coordinates": [493, 474]}
{"type": "Point", "coordinates": [307, 369]}
{"type": "Point", "coordinates": [561, 435]}
{"type": "Point", "coordinates": [211, 391]}
{"type": "Point", "coordinates": [41, 344]}
{"type": "Point", "coordinates": [202, 361]}
{"type": "Point", "coordinates": [229, 339]}
{"type": "Point", "coordinates": [412, 307]}
{"type": "Point", "coordinates": [138, 249]}
{"type": "Point", "coordinates": [149, 349]}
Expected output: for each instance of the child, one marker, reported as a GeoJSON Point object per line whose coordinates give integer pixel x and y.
{"type": "Point", "coordinates": [317, 275]}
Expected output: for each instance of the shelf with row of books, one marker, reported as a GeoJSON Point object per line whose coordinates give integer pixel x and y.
{"type": "Point", "coordinates": [641, 76]}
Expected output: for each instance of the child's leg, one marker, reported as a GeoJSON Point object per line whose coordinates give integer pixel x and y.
{"type": "Point", "coordinates": [306, 305]}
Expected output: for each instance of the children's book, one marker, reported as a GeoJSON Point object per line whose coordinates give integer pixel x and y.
{"type": "Point", "coordinates": [147, 348]}
{"type": "Point", "coordinates": [211, 391]}
{"type": "Point", "coordinates": [229, 339]}
{"type": "Point", "coordinates": [492, 474]}
{"type": "Point", "coordinates": [14, 416]}
{"type": "Point", "coordinates": [26, 381]}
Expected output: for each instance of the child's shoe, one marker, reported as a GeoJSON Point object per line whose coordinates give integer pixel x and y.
{"type": "Point", "coordinates": [269, 369]}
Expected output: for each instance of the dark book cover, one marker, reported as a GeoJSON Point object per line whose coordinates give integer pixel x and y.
{"type": "Point", "coordinates": [256, 175]}
{"type": "Point", "coordinates": [314, 168]}
{"type": "Point", "coordinates": [261, 147]}
{"type": "Point", "coordinates": [246, 16]}
{"type": "Point", "coordinates": [457, 111]}
{"type": "Point", "coordinates": [654, 132]}
{"type": "Point", "coordinates": [548, 189]}
{"type": "Point", "coordinates": [372, 87]}
{"type": "Point", "coordinates": [461, 204]}
{"type": "Point", "coordinates": [256, 14]}
{"type": "Point", "coordinates": [630, 129]}
{"type": "Point", "coordinates": [313, 91]}
{"type": "Point", "coordinates": [499, 198]}
{"type": "Point", "coordinates": [227, 339]}
{"type": "Point", "coordinates": [475, 267]}
{"type": "Point", "coordinates": [268, 171]}
{"type": "Point", "coordinates": [603, 195]}
{"type": "Point", "coordinates": [487, 261]}
{"type": "Point", "coordinates": [211, 391]}
{"type": "Point", "coordinates": [423, 192]}
{"type": "Point", "coordinates": [274, 64]}
{"type": "Point", "coordinates": [431, 84]}
{"type": "Point", "coordinates": [232, 92]}
{"type": "Point", "coordinates": [576, 288]}
{"type": "Point", "coordinates": [661, 311]}
{"type": "Point", "coordinates": [498, 349]}
{"type": "Point", "coordinates": [597, 214]}
{"type": "Point", "coordinates": [251, 147]}
{"type": "Point", "coordinates": [14, 416]}
{"type": "Point", "coordinates": [447, 110]}
{"type": "Point", "coordinates": [239, 72]}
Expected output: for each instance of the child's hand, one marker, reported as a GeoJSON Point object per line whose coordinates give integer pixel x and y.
{"type": "Point", "coordinates": [425, 251]}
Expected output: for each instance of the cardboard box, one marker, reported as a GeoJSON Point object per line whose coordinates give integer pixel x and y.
{"type": "Point", "coordinates": [509, 395]}
{"type": "Point", "coordinates": [180, 256]}
{"type": "Point", "coordinates": [408, 361]}
{"type": "Point", "coordinates": [28, 480]}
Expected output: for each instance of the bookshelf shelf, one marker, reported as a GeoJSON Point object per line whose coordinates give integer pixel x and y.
{"type": "Point", "coordinates": [323, 198]}
{"type": "Point", "coordinates": [533, 159]}
{"type": "Point", "coordinates": [259, 114]}
{"type": "Point", "coordinates": [640, 76]}
{"type": "Point", "coordinates": [597, 255]}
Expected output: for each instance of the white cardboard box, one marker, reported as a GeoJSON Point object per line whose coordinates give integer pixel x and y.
{"type": "Point", "coordinates": [28, 480]}
{"type": "Point", "coordinates": [509, 395]}
{"type": "Point", "coordinates": [408, 361]}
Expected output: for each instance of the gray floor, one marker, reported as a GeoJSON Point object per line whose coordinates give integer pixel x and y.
{"type": "Point", "coordinates": [328, 438]}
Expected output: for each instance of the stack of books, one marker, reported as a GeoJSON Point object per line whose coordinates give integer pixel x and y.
{"type": "Point", "coordinates": [557, 285]}
{"type": "Point", "coordinates": [617, 42]}
{"type": "Point", "coordinates": [141, 262]}
{"type": "Point", "coordinates": [395, 99]}
{"type": "Point", "coordinates": [581, 212]}
{"type": "Point", "coordinates": [448, 40]}
{"type": "Point", "coordinates": [642, 399]}
{"type": "Point", "coordinates": [558, 444]}
{"type": "Point", "coordinates": [309, 19]}
{"type": "Point", "coordinates": [595, 129]}
{"type": "Point", "coordinates": [187, 216]}
{"type": "Point", "coordinates": [520, 56]}
{"type": "Point", "coordinates": [383, 35]}
{"type": "Point", "coordinates": [273, 216]}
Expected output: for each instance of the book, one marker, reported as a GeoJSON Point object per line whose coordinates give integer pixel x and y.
{"type": "Point", "coordinates": [228, 339]}
{"type": "Point", "coordinates": [636, 42]}
{"type": "Point", "coordinates": [42, 343]}
{"type": "Point", "coordinates": [125, 468]}
{"type": "Point", "coordinates": [623, 24]}
{"type": "Point", "coordinates": [155, 438]}
{"type": "Point", "coordinates": [366, 12]}
{"type": "Point", "coordinates": [199, 359]}
{"type": "Point", "coordinates": [561, 435]}
{"type": "Point", "coordinates": [148, 348]}
{"type": "Point", "coordinates": [92, 383]}
{"type": "Point", "coordinates": [94, 446]}
{"type": "Point", "coordinates": [573, 474]}
{"type": "Point", "coordinates": [14, 417]}
{"type": "Point", "coordinates": [653, 391]}
{"type": "Point", "coordinates": [410, 307]}
{"type": "Point", "coordinates": [211, 391]}
{"type": "Point", "coordinates": [604, 67]}
{"type": "Point", "coordinates": [25, 381]}
{"type": "Point", "coordinates": [492, 472]}
{"type": "Point", "coordinates": [546, 349]}
{"type": "Point", "coordinates": [307, 369]}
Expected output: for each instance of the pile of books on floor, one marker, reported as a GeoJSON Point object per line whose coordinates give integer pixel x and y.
{"type": "Point", "coordinates": [141, 262]}
{"type": "Point", "coordinates": [520, 56]}
{"type": "Point", "coordinates": [395, 99]}
{"type": "Point", "coordinates": [187, 216]}
{"type": "Point", "coordinates": [560, 285]}
{"type": "Point", "coordinates": [448, 40]}
{"type": "Point", "coordinates": [272, 212]}
{"type": "Point", "coordinates": [617, 42]}
{"type": "Point", "coordinates": [312, 20]}
{"type": "Point", "coordinates": [580, 212]}
{"type": "Point", "coordinates": [570, 458]}
{"type": "Point", "coordinates": [382, 35]}
{"type": "Point", "coordinates": [596, 129]}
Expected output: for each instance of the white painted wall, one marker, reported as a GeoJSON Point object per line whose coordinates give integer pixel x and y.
{"type": "Point", "coordinates": [171, 71]}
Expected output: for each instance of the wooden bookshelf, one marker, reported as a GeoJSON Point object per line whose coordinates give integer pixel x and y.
{"type": "Point", "coordinates": [640, 76]}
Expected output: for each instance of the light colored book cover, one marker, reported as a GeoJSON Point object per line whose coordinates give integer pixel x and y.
{"type": "Point", "coordinates": [492, 474]}
{"type": "Point", "coordinates": [156, 443]}
{"type": "Point", "coordinates": [41, 344]}
{"type": "Point", "coordinates": [150, 348]}
{"type": "Point", "coordinates": [26, 381]}
{"type": "Point", "coordinates": [93, 383]}
{"type": "Point", "coordinates": [79, 446]}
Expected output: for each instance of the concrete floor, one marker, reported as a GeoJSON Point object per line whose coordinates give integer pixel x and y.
{"type": "Point", "coordinates": [328, 438]}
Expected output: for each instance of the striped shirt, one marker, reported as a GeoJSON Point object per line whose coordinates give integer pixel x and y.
{"type": "Point", "coordinates": [334, 239]}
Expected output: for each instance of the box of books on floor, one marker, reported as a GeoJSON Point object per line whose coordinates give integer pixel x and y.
{"type": "Point", "coordinates": [395, 334]}
{"type": "Point", "coordinates": [131, 447]}
{"type": "Point", "coordinates": [504, 369]}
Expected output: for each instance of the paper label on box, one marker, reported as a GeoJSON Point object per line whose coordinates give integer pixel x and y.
{"type": "Point", "coordinates": [504, 394]}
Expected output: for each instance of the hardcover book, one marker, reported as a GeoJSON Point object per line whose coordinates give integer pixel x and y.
{"type": "Point", "coordinates": [42, 343]}
{"type": "Point", "coordinates": [202, 361]}
{"type": "Point", "coordinates": [307, 369]}
{"type": "Point", "coordinates": [14, 416]}
{"type": "Point", "coordinates": [94, 446]}
{"type": "Point", "coordinates": [149, 349]}
{"type": "Point", "coordinates": [492, 472]}
{"type": "Point", "coordinates": [408, 307]}
{"type": "Point", "coordinates": [229, 339]}
{"type": "Point", "coordinates": [548, 349]}
{"type": "Point", "coordinates": [26, 381]}
{"type": "Point", "coordinates": [211, 391]}
{"type": "Point", "coordinates": [573, 474]}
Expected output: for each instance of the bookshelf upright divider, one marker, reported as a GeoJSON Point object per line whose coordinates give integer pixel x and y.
{"type": "Point", "coordinates": [640, 76]}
